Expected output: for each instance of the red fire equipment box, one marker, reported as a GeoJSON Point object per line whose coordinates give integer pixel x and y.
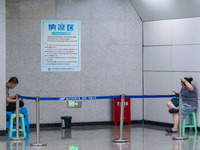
{"type": "Point", "coordinates": [116, 110]}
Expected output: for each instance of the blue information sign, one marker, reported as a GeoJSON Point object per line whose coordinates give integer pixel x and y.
{"type": "Point", "coordinates": [61, 45]}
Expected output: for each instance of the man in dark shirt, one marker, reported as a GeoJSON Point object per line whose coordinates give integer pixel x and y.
{"type": "Point", "coordinates": [11, 100]}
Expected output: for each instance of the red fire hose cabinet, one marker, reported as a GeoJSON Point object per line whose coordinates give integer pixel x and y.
{"type": "Point", "coordinates": [116, 110]}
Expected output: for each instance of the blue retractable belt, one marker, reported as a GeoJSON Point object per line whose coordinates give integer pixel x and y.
{"type": "Point", "coordinates": [97, 97]}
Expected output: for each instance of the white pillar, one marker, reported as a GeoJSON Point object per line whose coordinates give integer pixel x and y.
{"type": "Point", "coordinates": [2, 66]}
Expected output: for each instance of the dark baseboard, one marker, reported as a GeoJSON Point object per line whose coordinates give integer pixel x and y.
{"type": "Point", "coordinates": [72, 124]}
{"type": "Point", "coordinates": [46, 125]}
{"type": "Point", "coordinates": [58, 125]}
{"type": "Point", "coordinates": [158, 123]}
{"type": "Point", "coordinates": [137, 122]}
{"type": "Point", "coordinates": [84, 124]}
{"type": "Point", "coordinates": [2, 132]}
{"type": "Point", "coordinates": [92, 123]}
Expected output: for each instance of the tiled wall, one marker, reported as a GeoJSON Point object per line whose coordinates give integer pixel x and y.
{"type": "Point", "coordinates": [2, 66]}
{"type": "Point", "coordinates": [171, 51]}
{"type": "Point", "coordinates": [111, 51]}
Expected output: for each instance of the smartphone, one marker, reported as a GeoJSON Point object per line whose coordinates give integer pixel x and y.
{"type": "Point", "coordinates": [183, 83]}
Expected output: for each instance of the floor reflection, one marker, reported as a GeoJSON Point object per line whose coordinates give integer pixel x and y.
{"type": "Point", "coordinates": [101, 138]}
{"type": "Point", "coordinates": [66, 134]}
{"type": "Point", "coordinates": [126, 136]}
{"type": "Point", "coordinates": [17, 145]}
{"type": "Point", "coordinates": [121, 146]}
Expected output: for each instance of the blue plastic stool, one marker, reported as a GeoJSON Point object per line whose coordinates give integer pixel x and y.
{"type": "Point", "coordinates": [22, 111]}
{"type": "Point", "coordinates": [12, 129]}
{"type": "Point", "coordinates": [25, 112]}
{"type": "Point", "coordinates": [8, 113]}
{"type": "Point", "coordinates": [192, 123]}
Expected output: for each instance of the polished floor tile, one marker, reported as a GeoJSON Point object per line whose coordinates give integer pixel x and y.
{"type": "Point", "coordinates": [141, 137]}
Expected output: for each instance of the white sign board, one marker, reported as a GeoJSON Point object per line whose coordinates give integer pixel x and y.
{"type": "Point", "coordinates": [61, 45]}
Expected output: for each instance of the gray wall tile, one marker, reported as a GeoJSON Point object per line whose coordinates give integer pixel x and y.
{"type": "Point", "coordinates": [133, 30]}
{"type": "Point", "coordinates": [109, 60]}
{"type": "Point", "coordinates": [38, 9]}
{"type": "Point", "coordinates": [108, 10]}
{"type": "Point", "coordinates": [30, 31]}
{"type": "Point", "coordinates": [73, 10]}
{"type": "Point", "coordinates": [12, 9]}
{"type": "Point", "coordinates": [12, 32]}
{"type": "Point", "coordinates": [108, 32]}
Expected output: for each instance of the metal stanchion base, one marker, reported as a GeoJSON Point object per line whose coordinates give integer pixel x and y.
{"type": "Point", "coordinates": [120, 140]}
{"type": "Point", "coordinates": [38, 144]}
{"type": "Point", "coordinates": [180, 138]}
{"type": "Point", "coordinates": [17, 139]}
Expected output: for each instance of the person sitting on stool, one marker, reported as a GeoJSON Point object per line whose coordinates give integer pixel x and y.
{"type": "Point", "coordinates": [11, 100]}
{"type": "Point", "coordinates": [189, 102]}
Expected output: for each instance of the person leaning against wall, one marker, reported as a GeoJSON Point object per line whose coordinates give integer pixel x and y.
{"type": "Point", "coordinates": [189, 102]}
{"type": "Point", "coordinates": [11, 100]}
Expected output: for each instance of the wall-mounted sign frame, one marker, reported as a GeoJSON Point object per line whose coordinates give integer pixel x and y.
{"type": "Point", "coordinates": [60, 45]}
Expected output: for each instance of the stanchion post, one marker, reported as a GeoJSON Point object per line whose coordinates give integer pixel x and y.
{"type": "Point", "coordinates": [180, 137]}
{"type": "Point", "coordinates": [120, 139]}
{"type": "Point", "coordinates": [37, 144]}
{"type": "Point", "coordinates": [17, 121]}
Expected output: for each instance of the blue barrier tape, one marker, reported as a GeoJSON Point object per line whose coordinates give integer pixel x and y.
{"type": "Point", "coordinates": [79, 98]}
{"type": "Point", "coordinates": [97, 97]}
{"type": "Point", "coordinates": [149, 96]}
{"type": "Point", "coordinates": [26, 97]}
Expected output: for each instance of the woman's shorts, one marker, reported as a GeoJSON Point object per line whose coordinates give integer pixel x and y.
{"type": "Point", "coordinates": [175, 101]}
{"type": "Point", "coordinates": [186, 109]}
{"type": "Point", "coordinates": [12, 106]}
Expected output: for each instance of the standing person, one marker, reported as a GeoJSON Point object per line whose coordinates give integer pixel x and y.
{"type": "Point", "coordinates": [11, 100]}
{"type": "Point", "coordinates": [189, 102]}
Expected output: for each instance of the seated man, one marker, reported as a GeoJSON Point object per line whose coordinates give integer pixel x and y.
{"type": "Point", "coordinates": [11, 100]}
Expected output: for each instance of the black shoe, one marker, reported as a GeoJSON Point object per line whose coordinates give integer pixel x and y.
{"type": "Point", "coordinates": [173, 111]}
{"type": "Point", "coordinates": [170, 131]}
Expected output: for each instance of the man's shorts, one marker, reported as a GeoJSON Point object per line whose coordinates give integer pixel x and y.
{"type": "Point", "coordinates": [12, 106]}
{"type": "Point", "coordinates": [187, 109]}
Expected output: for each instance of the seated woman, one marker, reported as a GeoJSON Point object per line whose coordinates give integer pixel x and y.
{"type": "Point", "coordinates": [189, 102]}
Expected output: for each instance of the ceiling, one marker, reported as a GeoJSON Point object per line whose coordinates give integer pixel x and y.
{"type": "Point", "coordinates": [152, 10]}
